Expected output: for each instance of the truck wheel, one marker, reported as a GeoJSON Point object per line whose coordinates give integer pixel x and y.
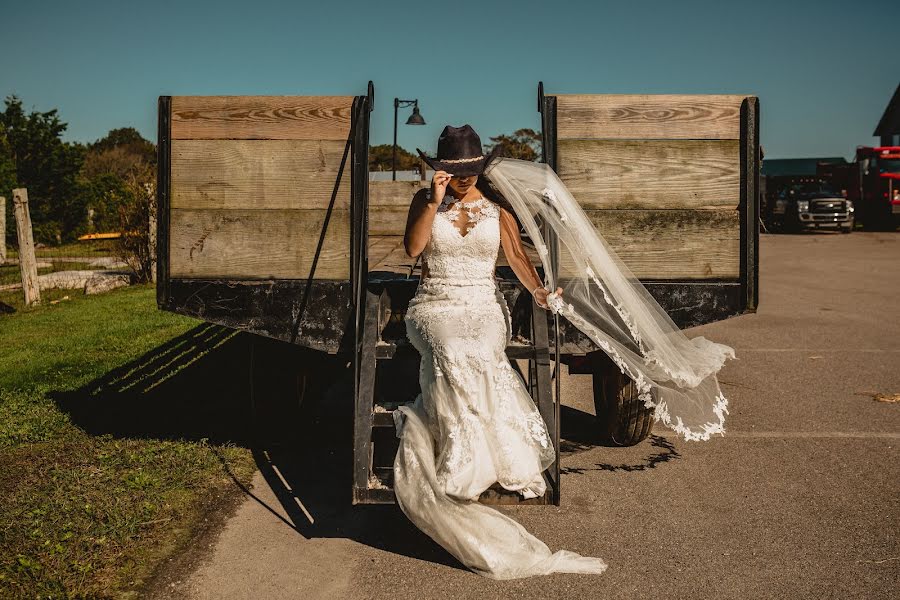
{"type": "Point", "coordinates": [621, 415]}
{"type": "Point", "coordinates": [849, 227]}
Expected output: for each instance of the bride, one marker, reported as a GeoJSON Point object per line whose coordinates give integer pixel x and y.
{"type": "Point", "coordinates": [474, 422]}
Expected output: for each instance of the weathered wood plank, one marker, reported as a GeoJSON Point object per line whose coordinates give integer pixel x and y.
{"type": "Point", "coordinates": [663, 243]}
{"type": "Point", "coordinates": [387, 220]}
{"type": "Point", "coordinates": [670, 244]}
{"type": "Point", "coordinates": [261, 117]}
{"type": "Point", "coordinates": [25, 236]}
{"type": "Point", "coordinates": [258, 244]}
{"type": "Point", "coordinates": [651, 173]}
{"type": "Point", "coordinates": [386, 253]}
{"type": "Point", "coordinates": [394, 193]}
{"type": "Point", "coordinates": [258, 174]}
{"type": "Point", "coordinates": [396, 261]}
{"type": "Point", "coordinates": [641, 116]}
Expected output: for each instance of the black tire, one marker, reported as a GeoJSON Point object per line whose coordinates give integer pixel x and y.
{"type": "Point", "coordinates": [849, 227]}
{"type": "Point", "coordinates": [621, 415]}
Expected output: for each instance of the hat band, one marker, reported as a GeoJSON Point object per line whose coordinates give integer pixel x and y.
{"type": "Point", "coordinates": [460, 160]}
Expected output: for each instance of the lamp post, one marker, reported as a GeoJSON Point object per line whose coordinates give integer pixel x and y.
{"type": "Point", "coordinates": [414, 119]}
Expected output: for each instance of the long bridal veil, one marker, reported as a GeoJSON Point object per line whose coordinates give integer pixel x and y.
{"type": "Point", "coordinates": [674, 375]}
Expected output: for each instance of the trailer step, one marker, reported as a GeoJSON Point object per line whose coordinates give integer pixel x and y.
{"type": "Point", "coordinates": [375, 440]}
{"type": "Point", "coordinates": [381, 487]}
{"type": "Point", "coordinates": [390, 349]}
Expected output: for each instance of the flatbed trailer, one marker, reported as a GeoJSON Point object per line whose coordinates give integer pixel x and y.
{"type": "Point", "coordinates": [268, 223]}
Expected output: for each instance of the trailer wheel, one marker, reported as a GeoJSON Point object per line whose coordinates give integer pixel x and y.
{"type": "Point", "coordinates": [621, 415]}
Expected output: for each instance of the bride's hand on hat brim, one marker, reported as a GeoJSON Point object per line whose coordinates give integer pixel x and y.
{"type": "Point", "coordinates": [439, 182]}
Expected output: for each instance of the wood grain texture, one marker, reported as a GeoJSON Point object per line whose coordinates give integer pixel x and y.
{"type": "Point", "coordinates": [388, 209]}
{"type": "Point", "coordinates": [381, 247]}
{"type": "Point", "coordinates": [386, 253]}
{"type": "Point", "coordinates": [394, 193]}
{"type": "Point", "coordinates": [651, 173]}
{"type": "Point", "coordinates": [258, 244]}
{"type": "Point", "coordinates": [261, 117]}
{"type": "Point", "coordinates": [670, 244]}
{"type": "Point", "coordinates": [662, 116]}
{"type": "Point", "coordinates": [278, 243]}
{"type": "Point", "coordinates": [387, 220]}
{"type": "Point", "coordinates": [659, 244]}
{"type": "Point", "coordinates": [240, 174]}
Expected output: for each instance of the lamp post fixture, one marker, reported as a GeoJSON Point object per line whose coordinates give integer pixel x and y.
{"type": "Point", "coordinates": [414, 119]}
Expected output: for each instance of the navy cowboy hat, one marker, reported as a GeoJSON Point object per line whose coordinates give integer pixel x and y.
{"type": "Point", "coordinates": [459, 152]}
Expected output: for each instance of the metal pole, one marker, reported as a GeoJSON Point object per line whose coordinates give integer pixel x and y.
{"type": "Point", "coordinates": [394, 153]}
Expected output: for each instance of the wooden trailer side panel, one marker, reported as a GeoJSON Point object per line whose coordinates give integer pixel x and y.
{"type": "Point", "coordinates": [251, 183]}
{"type": "Point", "coordinates": [388, 208]}
{"type": "Point", "coordinates": [261, 117]}
{"type": "Point", "coordinates": [261, 204]}
{"type": "Point", "coordinates": [649, 116]}
{"type": "Point", "coordinates": [660, 178]}
{"type": "Point", "coordinates": [671, 182]}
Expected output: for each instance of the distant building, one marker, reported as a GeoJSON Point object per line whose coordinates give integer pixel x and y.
{"type": "Point", "coordinates": [888, 128]}
{"type": "Point", "coordinates": [797, 167]}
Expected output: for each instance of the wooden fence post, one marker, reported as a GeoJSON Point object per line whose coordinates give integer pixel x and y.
{"type": "Point", "coordinates": [2, 230]}
{"type": "Point", "coordinates": [152, 235]}
{"type": "Point", "coordinates": [27, 261]}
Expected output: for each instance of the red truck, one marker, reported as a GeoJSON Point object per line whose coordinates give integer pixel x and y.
{"type": "Point", "coordinates": [872, 183]}
{"type": "Point", "coordinates": [879, 186]}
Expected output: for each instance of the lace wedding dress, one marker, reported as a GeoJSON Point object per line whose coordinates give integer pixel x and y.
{"type": "Point", "coordinates": [474, 422]}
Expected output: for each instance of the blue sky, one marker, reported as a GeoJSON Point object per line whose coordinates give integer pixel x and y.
{"type": "Point", "coordinates": [822, 78]}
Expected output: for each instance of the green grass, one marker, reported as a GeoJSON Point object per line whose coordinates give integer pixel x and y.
{"type": "Point", "coordinates": [86, 248]}
{"type": "Point", "coordinates": [12, 274]}
{"type": "Point", "coordinates": [114, 440]}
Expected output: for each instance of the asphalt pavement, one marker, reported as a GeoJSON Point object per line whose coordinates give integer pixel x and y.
{"type": "Point", "coordinates": [798, 500]}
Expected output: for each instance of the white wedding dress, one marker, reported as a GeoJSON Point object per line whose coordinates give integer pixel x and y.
{"type": "Point", "coordinates": [474, 422]}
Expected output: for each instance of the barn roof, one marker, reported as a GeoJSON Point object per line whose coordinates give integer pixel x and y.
{"type": "Point", "coordinates": [796, 166]}
{"type": "Point", "coordinates": [890, 120]}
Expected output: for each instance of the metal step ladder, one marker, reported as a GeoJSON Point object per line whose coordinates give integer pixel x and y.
{"type": "Point", "coordinates": [383, 343]}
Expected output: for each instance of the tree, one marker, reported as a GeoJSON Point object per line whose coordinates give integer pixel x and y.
{"type": "Point", "coordinates": [524, 144]}
{"type": "Point", "coordinates": [135, 211]}
{"type": "Point", "coordinates": [110, 165]}
{"type": "Point", "coordinates": [380, 158]}
{"type": "Point", "coordinates": [7, 181]}
{"type": "Point", "coordinates": [45, 165]}
{"type": "Point", "coordinates": [126, 140]}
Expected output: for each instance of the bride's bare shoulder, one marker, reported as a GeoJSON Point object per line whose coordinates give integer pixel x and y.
{"type": "Point", "coordinates": [418, 206]}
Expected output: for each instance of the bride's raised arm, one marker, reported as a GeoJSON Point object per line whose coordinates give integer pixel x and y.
{"type": "Point", "coordinates": [421, 214]}
{"type": "Point", "coordinates": [418, 223]}
{"type": "Point", "coordinates": [518, 260]}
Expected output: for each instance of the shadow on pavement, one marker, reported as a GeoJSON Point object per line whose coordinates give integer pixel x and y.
{"type": "Point", "coordinates": [199, 385]}
{"type": "Point", "coordinates": [664, 452]}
